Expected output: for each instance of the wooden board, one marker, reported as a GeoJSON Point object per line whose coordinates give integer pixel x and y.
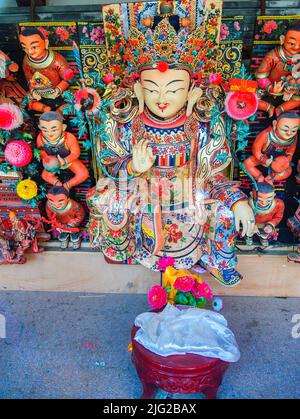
{"type": "Point", "coordinates": [266, 275]}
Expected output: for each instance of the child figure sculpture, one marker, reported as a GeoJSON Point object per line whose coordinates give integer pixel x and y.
{"type": "Point", "coordinates": [59, 151]}
{"type": "Point", "coordinates": [274, 148]}
{"type": "Point", "coordinates": [268, 212]}
{"type": "Point", "coordinates": [65, 215]}
{"type": "Point", "coordinates": [277, 70]}
{"type": "Point", "coordinates": [173, 163]}
{"type": "Point", "coordinates": [48, 73]}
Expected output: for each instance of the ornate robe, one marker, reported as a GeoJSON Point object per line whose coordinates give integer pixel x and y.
{"type": "Point", "coordinates": [157, 214]}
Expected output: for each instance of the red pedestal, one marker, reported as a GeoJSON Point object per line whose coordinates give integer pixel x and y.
{"type": "Point", "coordinates": [181, 374]}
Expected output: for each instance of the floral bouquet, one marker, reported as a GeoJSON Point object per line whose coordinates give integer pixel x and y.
{"type": "Point", "coordinates": [181, 287]}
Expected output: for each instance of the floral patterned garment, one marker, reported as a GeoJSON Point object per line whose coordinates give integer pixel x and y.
{"type": "Point", "coordinates": [165, 225]}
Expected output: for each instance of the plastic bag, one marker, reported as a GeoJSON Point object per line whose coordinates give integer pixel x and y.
{"type": "Point", "coordinates": [192, 330]}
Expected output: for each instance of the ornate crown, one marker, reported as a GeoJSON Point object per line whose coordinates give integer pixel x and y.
{"type": "Point", "coordinates": [184, 50]}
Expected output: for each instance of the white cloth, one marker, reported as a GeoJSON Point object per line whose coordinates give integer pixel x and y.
{"type": "Point", "coordinates": [192, 330]}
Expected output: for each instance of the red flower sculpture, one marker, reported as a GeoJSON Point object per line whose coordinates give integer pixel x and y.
{"type": "Point", "coordinates": [184, 283]}
{"type": "Point", "coordinates": [157, 297]}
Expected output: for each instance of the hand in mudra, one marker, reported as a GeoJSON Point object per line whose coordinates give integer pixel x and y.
{"type": "Point", "coordinates": [142, 157]}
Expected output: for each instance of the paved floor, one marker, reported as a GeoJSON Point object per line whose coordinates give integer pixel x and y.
{"type": "Point", "coordinates": [67, 345]}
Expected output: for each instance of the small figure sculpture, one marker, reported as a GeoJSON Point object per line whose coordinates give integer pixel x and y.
{"type": "Point", "coordinates": [14, 243]}
{"type": "Point", "coordinates": [48, 73]}
{"type": "Point", "coordinates": [65, 215]}
{"type": "Point", "coordinates": [268, 212]}
{"type": "Point", "coordinates": [59, 151]}
{"type": "Point", "coordinates": [5, 251]}
{"type": "Point", "coordinates": [166, 9]}
{"type": "Point", "coordinates": [274, 148]}
{"type": "Point", "coordinates": [277, 70]}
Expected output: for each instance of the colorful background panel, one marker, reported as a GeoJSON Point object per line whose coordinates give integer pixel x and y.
{"type": "Point", "coordinates": [231, 45]}
{"type": "Point", "coordinates": [266, 37]}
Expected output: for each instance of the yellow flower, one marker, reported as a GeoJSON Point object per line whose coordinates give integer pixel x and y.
{"type": "Point", "coordinates": [27, 189]}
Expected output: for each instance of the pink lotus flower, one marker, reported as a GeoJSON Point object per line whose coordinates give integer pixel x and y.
{"type": "Point", "coordinates": [157, 297]}
{"type": "Point", "coordinates": [108, 78]}
{"type": "Point", "coordinates": [164, 263]}
{"type": "Point", "coordinates": [11, 116]}
{"type": "Point", "coordinates": [184, 283]}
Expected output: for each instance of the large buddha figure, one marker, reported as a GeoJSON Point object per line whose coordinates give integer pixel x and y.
{"type": "Point", "coordinates": [163, 193]}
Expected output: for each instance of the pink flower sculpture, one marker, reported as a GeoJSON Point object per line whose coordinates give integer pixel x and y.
{"type": "Point", "coordinates": [202, 290]}
{"type": "Point", "coordinates": [18, 153]}
{"type": "Point", "coordinates": [157, 297]}
{"type": "Point", "coordinates": [108, 78]}
{"type": "Point", "coordinates": [241, 105]}
{"type": "Point", "coordinates": [11, 117]}
{"type": "Point", "coordinates": [184, 283]}
{"type": "Point", "coordinates": [215, 78]}
{"type": "Point", "coordinates": [164, 263]}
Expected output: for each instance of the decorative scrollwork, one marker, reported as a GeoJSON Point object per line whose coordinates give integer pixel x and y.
{"type": "Point", "coordinates": [94, 60]}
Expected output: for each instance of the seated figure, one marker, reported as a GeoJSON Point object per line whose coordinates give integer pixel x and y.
{"type": "Point", "coordinates": [48, 73]}
{"type": "Point", "coordinates": [274, 148]}
{"type": "Point", "coordinates": [165, 194]}
{"type": "Point", "coordinates": [59, 151]}
{"type": "Point", "coordinates": [268, 210]}
{"type": "Point", "coordinates": [278, 72]}
{"type": "Point", "coordinates": [65, 215]}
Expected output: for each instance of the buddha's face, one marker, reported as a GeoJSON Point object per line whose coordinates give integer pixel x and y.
{"type": "Point", "coordinates": [165, 93]}
{"type": "Point", "coordinates": [59, 201]}
{"type": "Point", "coordinates": [292, 42]}
{"type": "Point", "coordinates": [286, 128]}
{"type": "Point", "coordinates": [52, 130]}
{"type": "Point", "coordinates": [34, 46]}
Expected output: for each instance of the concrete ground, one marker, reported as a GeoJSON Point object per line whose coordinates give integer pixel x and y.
{"type": "Point", "coordinates": [69, 345]}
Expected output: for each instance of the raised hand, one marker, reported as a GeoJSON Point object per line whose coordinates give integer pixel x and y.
{"type": "Point", "coordinates": [193, 97]}
{"type": "Point", "coordinates": [142, 157]}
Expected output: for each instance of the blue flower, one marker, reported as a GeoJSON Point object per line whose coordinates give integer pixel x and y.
{"type": "Point", "coordinates": [217, 304]}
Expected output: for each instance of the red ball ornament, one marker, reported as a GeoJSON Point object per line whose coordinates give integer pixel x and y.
{"type": "Point", "coordinates": [18, 153]}
{"type": "Point", "coordinates": [162, 66]}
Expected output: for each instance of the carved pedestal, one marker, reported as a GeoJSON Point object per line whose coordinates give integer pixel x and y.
{"type": "Point", "coordinates": [181, 374]}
